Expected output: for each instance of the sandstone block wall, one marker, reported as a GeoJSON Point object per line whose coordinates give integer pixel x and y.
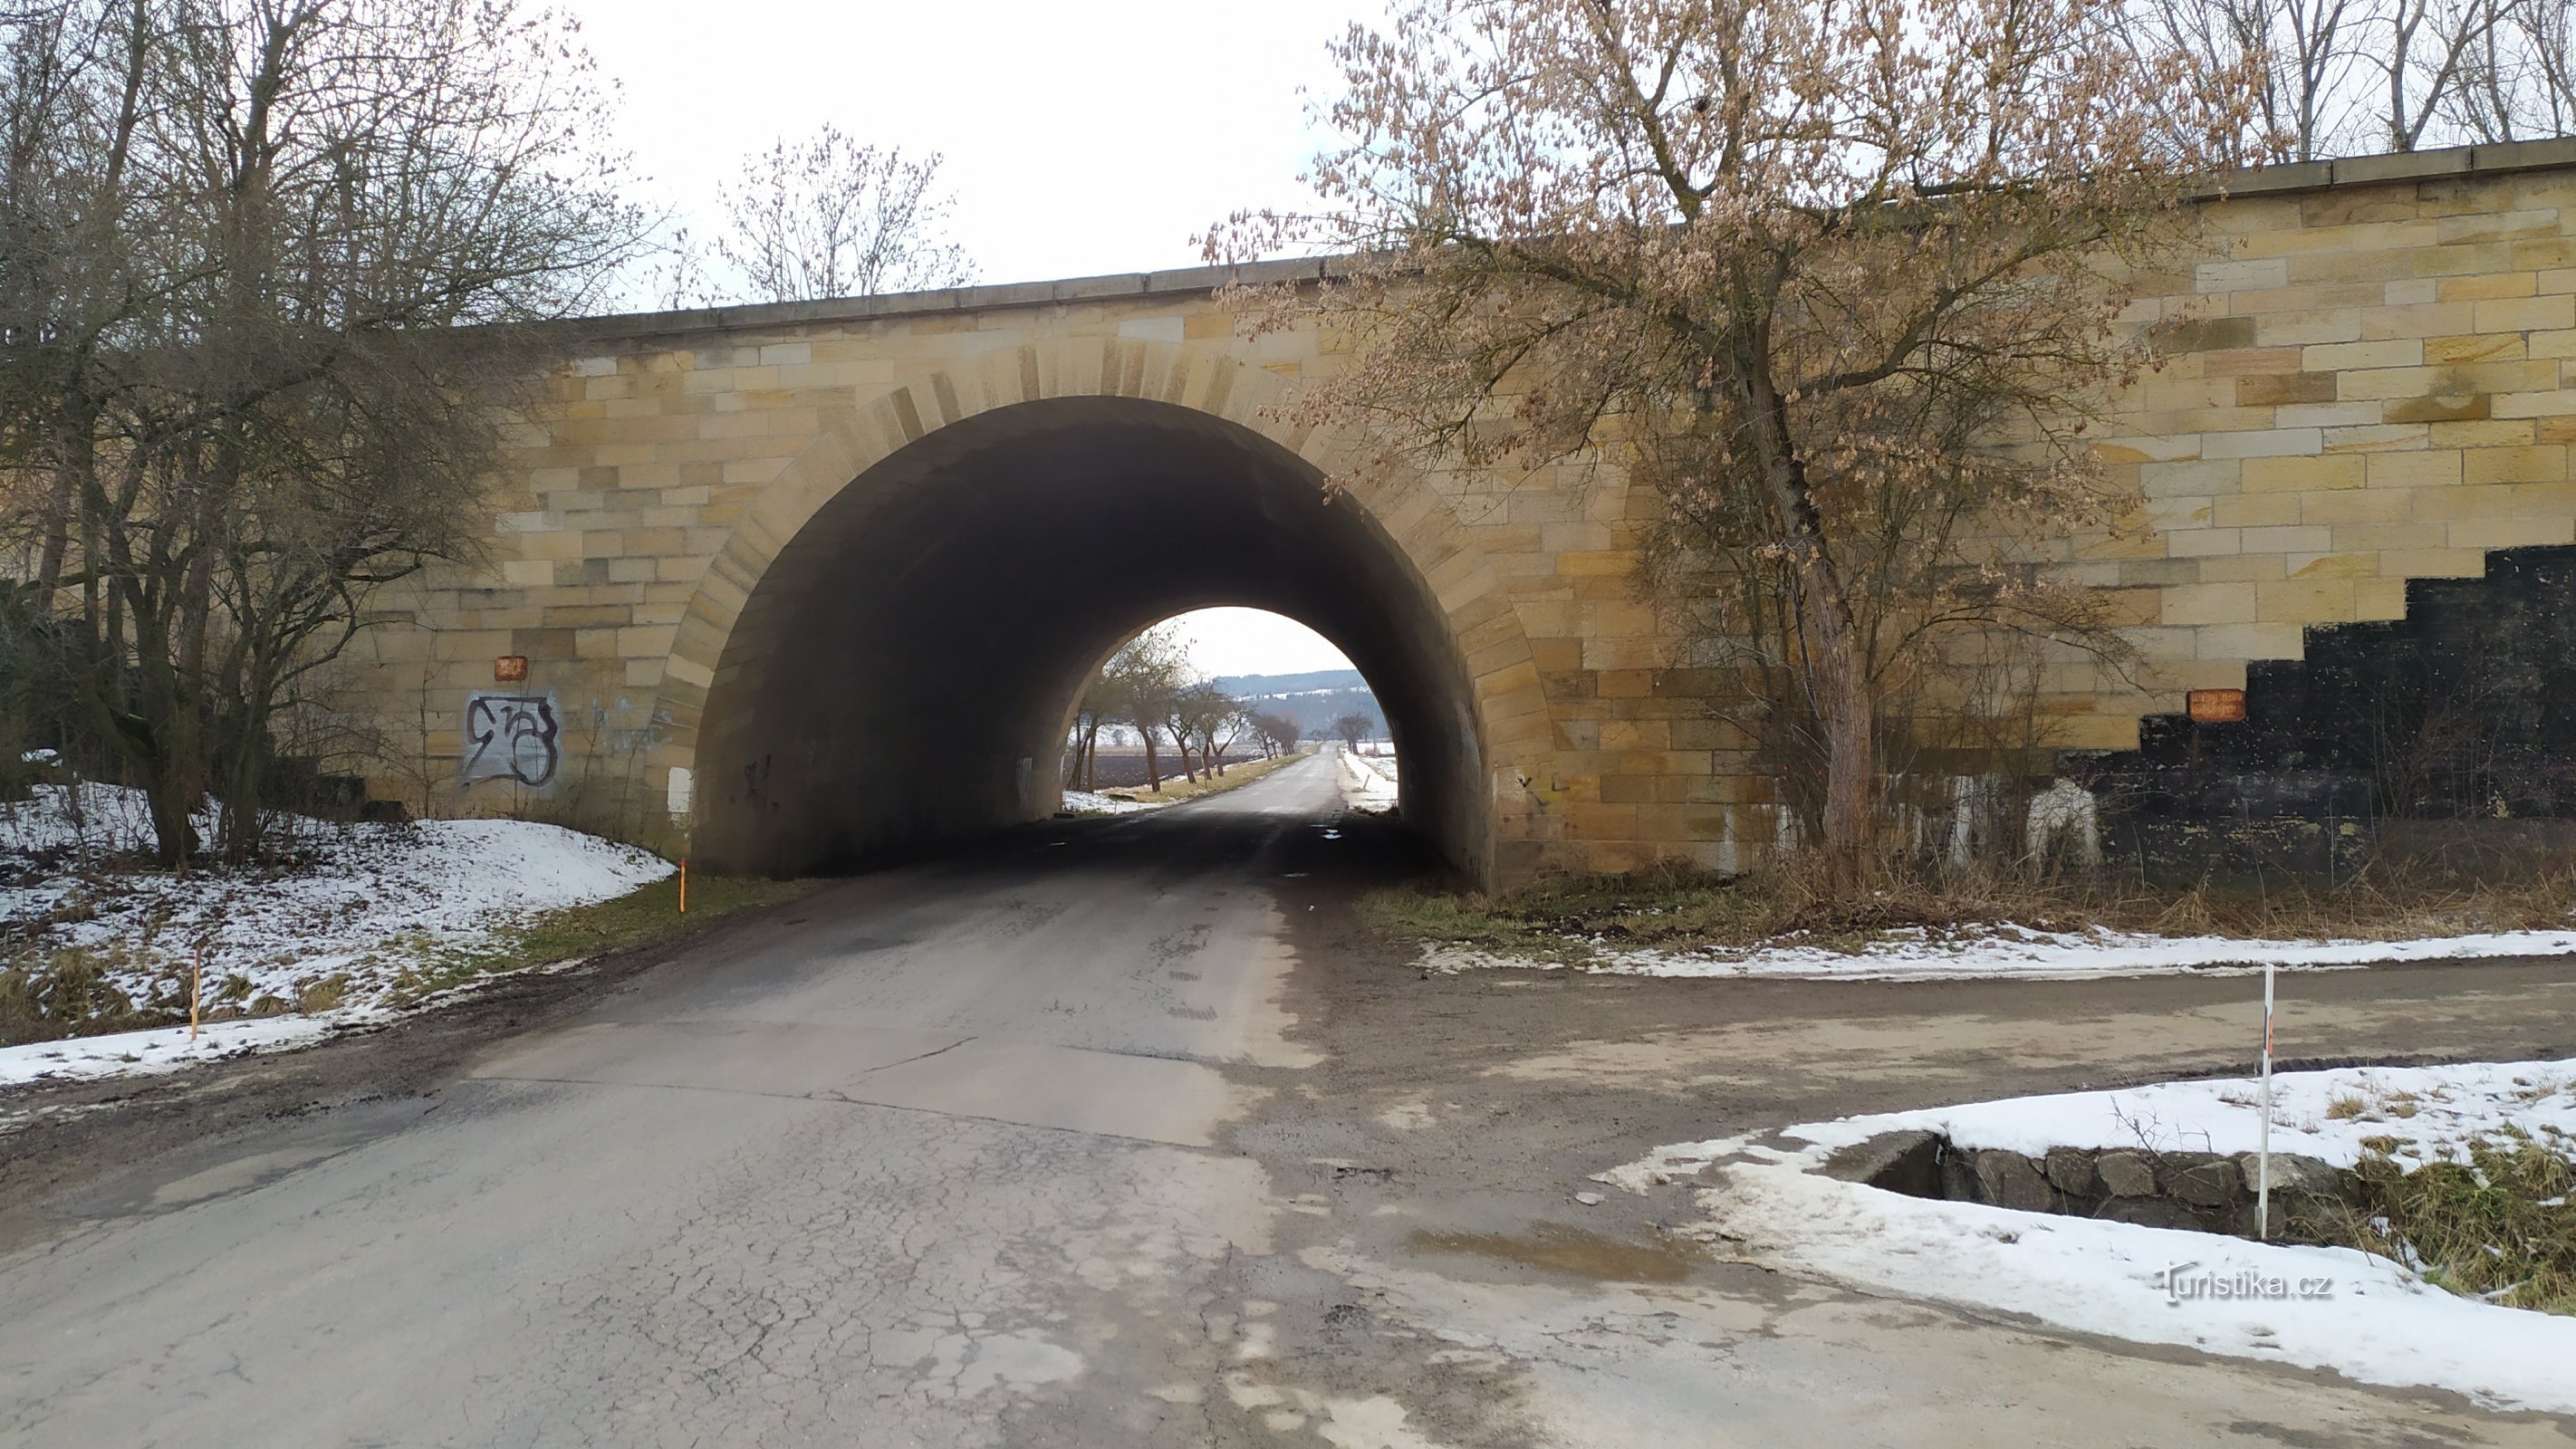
{"type": "Point", "coordinates": [2375, 381]}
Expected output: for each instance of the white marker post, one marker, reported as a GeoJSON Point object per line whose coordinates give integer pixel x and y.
{"type": "Point", "coordinates": [2263, 1134]}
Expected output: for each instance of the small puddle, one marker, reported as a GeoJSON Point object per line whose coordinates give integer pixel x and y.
{"type": "Point", "coordinates": [1564, 1248]}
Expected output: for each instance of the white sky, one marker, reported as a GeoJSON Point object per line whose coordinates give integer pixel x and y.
{"type": "Point", "coordinates": [1082, 136]}
{"type": "Point", "coordinates": [1252, 641]}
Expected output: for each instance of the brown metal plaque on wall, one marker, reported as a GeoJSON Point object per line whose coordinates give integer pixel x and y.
{"type": "Point", "coordinates": [2217, 706]}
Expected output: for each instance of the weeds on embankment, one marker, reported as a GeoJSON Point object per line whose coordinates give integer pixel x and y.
{"type": "Point", "coordinates": [2492, 1223]}
{"type": "Point", "coordinates": [58, 992]}
{"type": "Point", "coordinates": [1679, 908]}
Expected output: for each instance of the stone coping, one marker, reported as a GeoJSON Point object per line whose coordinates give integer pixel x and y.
{"type": "Point", "coordinates": [2283, 180]}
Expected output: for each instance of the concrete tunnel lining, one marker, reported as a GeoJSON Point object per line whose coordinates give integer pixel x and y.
{"type": "Point", "coordinates": [930, 627]}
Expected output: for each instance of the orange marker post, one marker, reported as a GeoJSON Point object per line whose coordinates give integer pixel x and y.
{"type": "Point", "coordinates": [684, 885]}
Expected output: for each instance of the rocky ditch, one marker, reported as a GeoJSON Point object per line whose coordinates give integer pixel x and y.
{"type": "Point", "coordinates": [2202, 1191]}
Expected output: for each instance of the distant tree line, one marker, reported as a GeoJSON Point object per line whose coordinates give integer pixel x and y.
{"type": "Point", "coordinates": [1150, 687]}
{"type": "Point", "coordinates": [1314, 709]}
{"type": "Point", "coordinates": [2353, 77]}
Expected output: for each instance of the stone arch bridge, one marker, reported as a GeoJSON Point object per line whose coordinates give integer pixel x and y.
{"type": "Point", "coordinates": [818, 583]}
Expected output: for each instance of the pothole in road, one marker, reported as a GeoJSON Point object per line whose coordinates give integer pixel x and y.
{"type": "Point", "coordinates": [1564, 1248]}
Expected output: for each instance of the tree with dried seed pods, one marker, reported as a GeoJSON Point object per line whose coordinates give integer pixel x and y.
{"type": "Point", "coordinates": [1840, 285]}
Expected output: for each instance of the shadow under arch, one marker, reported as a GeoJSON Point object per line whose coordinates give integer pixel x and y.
{"type": "Point", "coordinates": [899, 676]}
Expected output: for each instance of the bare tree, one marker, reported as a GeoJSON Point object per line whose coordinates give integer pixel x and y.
{"type": "Point", "coordinates": [1354, 728]}
{"type": "Point", "coordinates": [1789, 265]}
{"type": "Point", "coordinates": [1205, 713]}
{"type": "Point", "coordinates": [1097, 707]}
{"type": "Point", "coordinates": [1277, 732]}
{"type": "Point", "coordinates": [260, 340]}
{"type": "Point", "coordinates": [1176, 722]}
{"type": "Point", "coordinates": [1137, 685]}
{"type": "Point", "coordinates": [829, 217]}
{"type": "Point", "coordinates": [2337, 77]}
{"type": "Point", "coordinates": [2303, 58]}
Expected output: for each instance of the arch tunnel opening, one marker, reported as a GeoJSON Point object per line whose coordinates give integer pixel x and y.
{"type": "Point", "coordinates": [901, 677]}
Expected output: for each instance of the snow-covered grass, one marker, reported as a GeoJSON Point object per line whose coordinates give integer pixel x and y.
{"type": "Point", "coordinates": [2015, 952]}
{"type": "Point", "coordinates": [362, 918]}
{"type": "Point", "coordinates": [2364, 1316]}
{"type": "Point", "coordinates": [1365, 786]}
{"type": "Point", "coordinates": [2328, 1115]}
{"type": "Point", "coordinates": [161, 1049]}
{"type": "Point", "coordinates": [1092, 802]}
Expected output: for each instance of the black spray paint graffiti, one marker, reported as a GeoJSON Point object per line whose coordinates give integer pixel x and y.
{"type": "Point", "coordinates": [511, 737]}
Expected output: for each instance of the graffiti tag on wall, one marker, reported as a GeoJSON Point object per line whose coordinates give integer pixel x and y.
{"type": "Point", "coordinates": [512, 737]}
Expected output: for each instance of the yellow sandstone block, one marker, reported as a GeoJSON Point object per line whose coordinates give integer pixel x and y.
{"type": "Point", "coordinates": [2535, 464]}
{"type": "Point", "coordinates": [2341, 470]}
{"type": "Point", "coordinates": [2429, 468]}
{"type": "Point", "coordinates": [2305, 601]}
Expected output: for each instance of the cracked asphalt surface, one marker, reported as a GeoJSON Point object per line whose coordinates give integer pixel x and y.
{"type": "Point", "coordinates": [1116, 1133]}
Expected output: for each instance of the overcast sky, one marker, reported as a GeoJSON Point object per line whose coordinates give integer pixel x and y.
{"type": "Point", "coordinates": [1082, 136]}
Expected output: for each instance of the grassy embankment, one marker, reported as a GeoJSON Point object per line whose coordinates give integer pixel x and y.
{"type": "Point", "coordinates": [1569, 918]}
{"type": "Point", "coordinates": [1181, 787]}
{"type": "Point", "coordinates": [647, 916]}
{"type": "Point", "coordinates": [49, 994]}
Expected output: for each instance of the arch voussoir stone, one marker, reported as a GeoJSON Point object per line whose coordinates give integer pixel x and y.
{"type": "Point", "coordinates": [728, 645]}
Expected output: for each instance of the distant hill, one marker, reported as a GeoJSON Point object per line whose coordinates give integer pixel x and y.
{"type": "Point", "coordinates": [1313, 699]}
{"type": "Point", "coordinates": [1247, 686]}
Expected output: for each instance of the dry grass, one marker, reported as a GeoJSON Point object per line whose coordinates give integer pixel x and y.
{"type": "Point", "coordinates": [2493, 1223]}
{"type": "Point", "coordinates": [1188, 789]}
{"type": "Point", "coordinates": [1679, 908]}
{"type": "Point", "coordinates": [641, 917]}
{"type": "Point", "coordinates": [72, 991]}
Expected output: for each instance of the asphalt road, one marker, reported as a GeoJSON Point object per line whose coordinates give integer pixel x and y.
{"type": "Point", "coordinates": [1123, 1133]}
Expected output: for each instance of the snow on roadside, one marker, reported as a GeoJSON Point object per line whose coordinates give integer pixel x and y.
{"type": "Point", "coordinates": [1364, 786]}
{"type": "Point", "coordinates": [2359, 1315]}
{"type": "Point", "coordinates": [2323, 1114]}
{"type": "Point", "coordinates": [2020, 954]}
{"type": "Point", "coordinates": [365, 904]}
{"type": "Point", "coordinates": [1091, 802]}
{"type": "Point", "coordinates": [1384, 765]}
{"type": "Point", "coordinates": [162, 1049]}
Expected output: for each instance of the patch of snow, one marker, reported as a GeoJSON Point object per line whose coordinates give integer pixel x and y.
{"type": "Point", "coordinates": [1363, 785]}
{"type": "Point", "coordinates": [1090, 802]}
{"type": "Point", "coordinates": [2356, 1314]}
{"type": "Point", "coordinates": [161, 1049]}
{"type": "Point", "coordinates": [2323, 1114]}
{"type": "Point", "coordinates": [363, 901]}
{"type": "Point", "coordinates": [2023, 955]}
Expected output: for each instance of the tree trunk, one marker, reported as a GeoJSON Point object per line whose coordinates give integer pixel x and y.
{"type": "Point", "coordinates": [1842, 695]}
{"type": "Point", "coordinates": [1153, 770]}
{"type": "Point", "coordinates": [1837, 676]}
